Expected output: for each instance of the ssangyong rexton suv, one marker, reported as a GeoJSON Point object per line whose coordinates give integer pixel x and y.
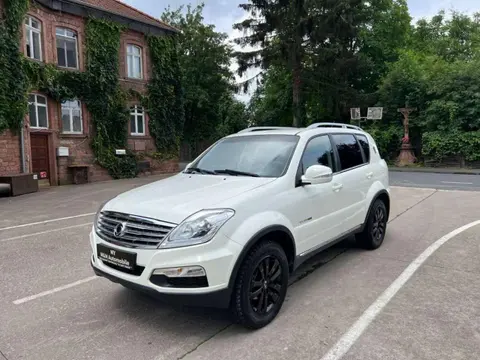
{"type": "Point", "coordinates": [230, 229]}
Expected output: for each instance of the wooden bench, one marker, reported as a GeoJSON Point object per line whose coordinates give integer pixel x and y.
{"type": "Point", "coordinates": [80, 173]}
{"type": "Point", "coordinates": [21, 183]}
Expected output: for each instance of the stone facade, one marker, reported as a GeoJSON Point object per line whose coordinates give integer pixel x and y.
{"type": "Point", "coordinates": [60, 169]}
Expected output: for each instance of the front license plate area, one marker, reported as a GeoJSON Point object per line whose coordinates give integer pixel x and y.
{"type": "Point", "coordinates": [122, 259]}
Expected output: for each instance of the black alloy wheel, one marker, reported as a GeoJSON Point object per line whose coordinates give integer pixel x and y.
{"type": "Point", "coordinates": [375, 228]}
{"type": "Point", "coordinates": [261, 285]}
{"type": "Point", "coordinates": [379, 225]}
{"type": "Point", "coordinates": [266, 285]}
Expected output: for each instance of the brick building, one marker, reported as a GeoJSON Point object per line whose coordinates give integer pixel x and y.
{"type": "Point", "coordinates": [57, 136]}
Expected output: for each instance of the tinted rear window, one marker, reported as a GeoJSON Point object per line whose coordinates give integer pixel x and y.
{"type": "Point", "coordinates": [348, 150]}
{"type": "Point", "coordinates": [362, 139]}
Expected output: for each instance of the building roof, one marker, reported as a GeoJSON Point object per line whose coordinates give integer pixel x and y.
{"type": "Point", "coordinates": [122, 9]}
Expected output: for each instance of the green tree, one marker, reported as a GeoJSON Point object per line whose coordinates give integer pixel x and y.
{"type": "Point", "coordinates": [453, 38]}
{"type": "Point", "coordinates": [439, 74]}
{"type": "Point", "coordinates": [345, 48]}
{"type": "Point", "coordinates": [233, 116]}
{"type": "Point", "coordinates": [271, 104]}
{"type": "Point", "coordinates": [205, 59]}
{"type": "Point", "coordinates": [277, 31]}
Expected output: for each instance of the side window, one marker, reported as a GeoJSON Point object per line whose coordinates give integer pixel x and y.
{"type": "Point", "coordinates": [33, 39]}
{"type": "Point", "coordinates": [67, 48]}
{"type": "Point", "coordinates": [134, 62]}
{"type": "Point", "coordinates": [348, 150]}
{"type": "Point", "coordinates": [319, 151]}
{"type": "Point", "coordinates": [362, 139]}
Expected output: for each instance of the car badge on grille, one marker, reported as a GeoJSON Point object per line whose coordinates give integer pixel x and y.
{"type": "Point", "coordinates": [120, 229]}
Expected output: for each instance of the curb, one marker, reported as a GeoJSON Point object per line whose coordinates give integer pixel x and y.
{"type": "Point", "coordinates": [437, 171]}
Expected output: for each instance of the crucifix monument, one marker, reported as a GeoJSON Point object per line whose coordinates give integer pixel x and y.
{"type": "Point", "coordinates": [407, 156]}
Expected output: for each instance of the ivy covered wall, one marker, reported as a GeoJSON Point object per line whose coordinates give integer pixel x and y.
{"type": "Point", "coordinates": [98, 87]}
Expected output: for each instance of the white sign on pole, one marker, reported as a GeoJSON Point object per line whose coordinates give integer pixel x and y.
{"type": "Point", "coordinates": [355, 114]}
{"type": "Point", "coordinates": [375, 113]}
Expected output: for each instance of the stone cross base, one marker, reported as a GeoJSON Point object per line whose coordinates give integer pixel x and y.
{"type": "Point", "coordinates": [407, 156]}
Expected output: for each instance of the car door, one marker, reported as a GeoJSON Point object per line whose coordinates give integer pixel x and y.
{"type": "Point", "coordinates": [316, 206]}
{"type": "Point", "coordinates": [370, 172]}
{"type": "Point", "coordinates": [351, 182]}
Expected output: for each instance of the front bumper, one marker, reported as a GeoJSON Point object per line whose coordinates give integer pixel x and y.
{"type": "Point", "coordinates": [217, 257]}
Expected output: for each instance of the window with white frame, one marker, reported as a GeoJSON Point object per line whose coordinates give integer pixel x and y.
{"type": "Point", "coordinates": [134, 62]}
{"type": "Point", "coordinates": [37, 110]}
{"type": "Point", "coordinates": [67, 54]}
{"type": "Point", "coordinates": [72, 117]}
{"type": "Point", "coordinates": [33, 31]}
{"type": "Point", "coordinates": [137, 120]}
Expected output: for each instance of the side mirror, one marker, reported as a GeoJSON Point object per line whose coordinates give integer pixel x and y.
{"type": "Point", "coordinates": [317, 174]}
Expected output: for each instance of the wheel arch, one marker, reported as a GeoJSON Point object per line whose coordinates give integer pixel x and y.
{"type": "Point", "coordinates": [278, 233]}
{"type": "Point", "coordinates": [380, 195]}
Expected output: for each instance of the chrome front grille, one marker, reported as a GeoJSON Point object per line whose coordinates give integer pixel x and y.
{"type": "Point", "coordinates": [131, 230]}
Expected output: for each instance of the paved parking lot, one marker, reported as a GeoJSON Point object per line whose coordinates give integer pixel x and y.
{"type": "Point", "coordinates": [52, 307]}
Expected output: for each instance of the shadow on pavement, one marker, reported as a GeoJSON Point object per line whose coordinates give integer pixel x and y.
{"type": "Point", "coordinates": [146, 310]}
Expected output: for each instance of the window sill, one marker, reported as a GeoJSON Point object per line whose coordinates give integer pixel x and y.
{"type": "Point", "coordinates": [74, 136]}
{"type": "Point", "coordinates": [139, 137]}
{"type": "Point", "coordinates": [134, 81]}
{"type": "Point", "coordinates": [34, 60]}
{"type": "Point", "coordinates": [68, 69]}
{"type": "Point", "coordinates": [40, 130]}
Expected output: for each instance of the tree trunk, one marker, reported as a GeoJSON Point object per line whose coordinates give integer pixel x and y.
{"type": "Point", "coordinates": [297, 97]}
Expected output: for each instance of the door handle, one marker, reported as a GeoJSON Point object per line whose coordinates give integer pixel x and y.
{"type": "Point", "coordinates": [337, 187]}
{"type": "Point", "coordinates": [369, 175]}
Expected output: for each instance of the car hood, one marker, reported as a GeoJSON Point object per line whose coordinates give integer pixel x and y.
{"type": "Point", "coordinates": [175, 198]}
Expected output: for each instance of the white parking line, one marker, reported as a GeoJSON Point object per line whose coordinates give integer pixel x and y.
{"type": "Point", "coordinates": [44, 232]}
{"type": "Point", "coordinates": [357, 329]}
{"type": "Point", "coordinates": [46, 221]}
{"type": "Point", "coordinates": [49, 292]}
{"type": "Point", "coordinates": [457, 182]}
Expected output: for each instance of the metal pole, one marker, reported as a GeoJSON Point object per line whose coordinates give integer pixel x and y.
{"type": "Point", "coordinates": [22, 150]}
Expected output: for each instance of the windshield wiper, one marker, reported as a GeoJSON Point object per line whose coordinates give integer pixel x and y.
{"type": "Point", "coordinates": [201, 171]}
{"type": "Point", "coordinates": [236, 172]}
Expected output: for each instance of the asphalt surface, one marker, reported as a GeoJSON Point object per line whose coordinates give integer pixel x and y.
{"type": "Point", "coordinates": [51, 306]}
{"type": "Point", "coordinates": [435, 181]}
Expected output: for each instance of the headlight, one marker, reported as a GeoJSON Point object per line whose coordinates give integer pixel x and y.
{"type": "Point", "coordinates": [197, 228]}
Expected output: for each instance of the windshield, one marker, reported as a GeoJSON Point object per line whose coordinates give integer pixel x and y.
{"type": "Point", "coordinates": [259, 155]}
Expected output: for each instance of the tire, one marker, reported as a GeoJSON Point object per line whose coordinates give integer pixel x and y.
{"type": "Point", "coordinates": [375, 228]}
{"type": "Point", "coordinates": [251, 286]}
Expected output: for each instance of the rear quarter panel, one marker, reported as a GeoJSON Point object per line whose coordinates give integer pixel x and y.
{"type": "Point", "coordinates": [380, 170]}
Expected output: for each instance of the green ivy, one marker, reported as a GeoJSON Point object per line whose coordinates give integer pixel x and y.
{"type": "Point", "coordinates": [98, 88]}
{"type": "Point", "coordinates": [105, 100]}
{"type": "Point", "coordinates": [165, 95]}
{"type": "Point", "coordinates": [13, 82]}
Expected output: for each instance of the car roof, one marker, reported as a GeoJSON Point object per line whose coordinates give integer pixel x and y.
{"type": "Point", "coordinates": [314, 129]}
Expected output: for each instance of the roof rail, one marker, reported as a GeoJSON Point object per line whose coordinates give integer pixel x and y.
{"type": "Point", "coordinates": [343, 126]}
{"type": "Point", "coordinates": [264, 128]}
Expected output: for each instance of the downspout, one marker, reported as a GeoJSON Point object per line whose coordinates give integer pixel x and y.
{"type": "Point", "coordinates": [22, 150]}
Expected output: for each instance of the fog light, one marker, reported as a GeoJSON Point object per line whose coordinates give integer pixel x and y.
{"type": "Point", "coordinates": [184, 271]}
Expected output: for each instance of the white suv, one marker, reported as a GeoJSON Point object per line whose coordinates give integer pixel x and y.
{"type": "Point", "coordinates": [230, 229]}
